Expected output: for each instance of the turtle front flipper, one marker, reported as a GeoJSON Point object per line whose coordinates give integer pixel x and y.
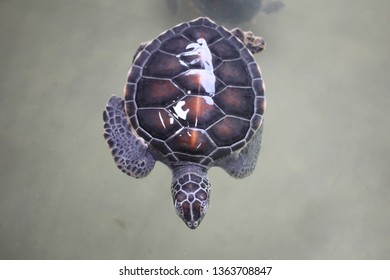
{"type": "Point", "coordinates": [190, 193]}
{"type": "Point", "coordinates": [129, 151]}
{"type": "Point", "coordinates": [242, 164]}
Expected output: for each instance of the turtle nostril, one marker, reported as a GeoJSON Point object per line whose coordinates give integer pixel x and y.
{"type": "Point", "coordinates": [192, 224]}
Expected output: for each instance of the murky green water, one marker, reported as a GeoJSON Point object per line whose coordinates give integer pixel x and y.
{"type": "Point", "coordinates": [321, 189]}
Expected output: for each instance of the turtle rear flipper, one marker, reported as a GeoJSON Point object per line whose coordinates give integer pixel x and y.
{"type": "Point", "coordinates": [254, 43]}
{"type": "Point", "coordinates": [129, 151]}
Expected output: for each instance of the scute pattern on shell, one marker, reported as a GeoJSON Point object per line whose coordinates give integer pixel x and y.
{"type": "Point", "coordinates": [183, 110]}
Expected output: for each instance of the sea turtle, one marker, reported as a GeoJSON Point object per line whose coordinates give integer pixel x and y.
{"type": "Point", "coordinates": [194, 99]}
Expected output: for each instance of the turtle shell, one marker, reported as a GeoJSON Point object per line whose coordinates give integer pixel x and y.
{"type": "Point", "coordinates": [195, 93]}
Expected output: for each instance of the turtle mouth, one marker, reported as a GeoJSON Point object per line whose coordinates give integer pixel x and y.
{"type": "Point", "coordinates": [191, 213]}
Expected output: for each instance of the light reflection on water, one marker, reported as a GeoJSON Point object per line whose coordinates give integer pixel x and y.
{"type": "Point", "coordinates": [321, 186]}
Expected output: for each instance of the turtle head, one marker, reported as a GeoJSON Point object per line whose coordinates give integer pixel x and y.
{"type": "Point", "coordinates": [191, 194]}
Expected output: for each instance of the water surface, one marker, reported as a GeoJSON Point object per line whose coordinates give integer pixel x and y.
{"type": "Point", "coordinates": [320, 190]}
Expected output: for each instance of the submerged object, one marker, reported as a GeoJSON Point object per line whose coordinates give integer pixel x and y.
{"type": "Point", "coordinates": [194, 99]}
